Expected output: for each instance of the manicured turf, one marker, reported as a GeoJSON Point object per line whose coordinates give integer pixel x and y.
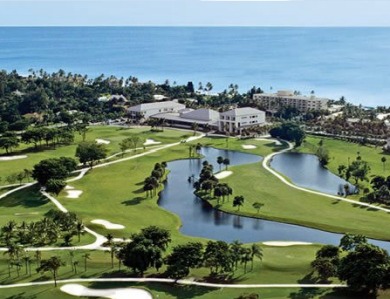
{"type": "Point", "coordinates": [164, 291]}
{"type": "Point", "coordinates": [114, 193]}
{"type": "Point", "coordinates": [170, 291]}
{"type": "Point", "coordinates": [279, 265]}
{"type": "Point", "coordinates": [24, 205]}
{"type": "Point", "coordinates": [29, 205]}
{"type": "Point", "coordinates": [263, 148]}
{"type": "Point", "coordinates": [113, 134]}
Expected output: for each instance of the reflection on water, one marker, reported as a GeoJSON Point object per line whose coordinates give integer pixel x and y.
{"type": "Point", "coordinates": [305, 171]}
{"type": "Point", "coordinates": [201, 220]}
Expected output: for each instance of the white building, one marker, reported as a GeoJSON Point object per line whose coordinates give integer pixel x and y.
{"type": "Point", "coordinates": [272, 101]}
{"type": "Point", "coordinates": [143, 111]}
{"type": "Point", "coordinates": [235, 120]}
{"type": "Point", "coordinates": [187, 117]}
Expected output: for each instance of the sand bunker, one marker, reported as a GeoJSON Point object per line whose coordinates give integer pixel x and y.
{"type": "Point", "coordinates": [119, 293]}
{"type": "Point", "coordinates": [284, 243]}
{"type": "Point", "coordinates": [108, 224]}
{"type": "Point", "coordinates": [31, 213]}
{"type": "Point", "coordinates": [121, 240]}
{"type": "Point", "coordinates": [73, 193]}
{"type": "Point", "coordinates": [67, 187]}
{"type": "Point", "coordinates": [151, 142]}
{"type": "Point", "coordinates": [277, 142]}
{"type": "Point", "coordinates": [249, 146]}
{"type": "Point", "coordinates": [223, 174]}
{"type": "Point", "coordinates": [102, 141]}
{"type": "Point", "coordinates": [10, 158]}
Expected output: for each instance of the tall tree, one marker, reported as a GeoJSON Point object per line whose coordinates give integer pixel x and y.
{"type": "Point", "coordinates": [91, 152]}
{"type": "Point", "coordinates": [51, 265]}
{"type": "Point", "coordinates": [238, 201]}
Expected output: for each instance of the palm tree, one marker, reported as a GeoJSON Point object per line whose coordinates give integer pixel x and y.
{"type": "Point", "coordinates": [38, 257]}
{"type": "Point", "coordinates": [246, 257]}
{"type": "Point", "coordinates": [71, 255]}
{"type": "Point", "coordinates": [27, 261]}
{"type": "Point", "coordinates": [257, 206]}
{"type": "Point", "coordinates": [220, 162]}
{"type": "Point", "coordinates": [226, 162]}
{"type": "Point", "coordinates": [10, 253]}
{"type": "Point", "coordinates": [238, 201]}
{"type": "Point", "coordinates": [190, 149]}
{"type": "Point", "coordinates": [195, 127]}
{"type": "Point", "coordinates": [86, 257]}
{"type": "Point", "coordinates": [75, 264]}
{"type": "Point", "coordinates": [236, 251]}
{"type": "Point", "coordinates": [256, 251]}
{"type": "Point", "coordinates": [384, 163]}
{"type": "Point", "coordinates": [79, 228]}
{"type": "Point", "coordinates": [110, 243]}
{"type": "Point", "coordinates": [198, 147]}
{"type": "Point", "coordinates": [9, 230]}
{"type": "Point", "coordinates": [346, 188]}
{"type": "Point", "coordinates": [52, 265]}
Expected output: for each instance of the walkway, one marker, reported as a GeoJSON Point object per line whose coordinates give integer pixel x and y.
{"type": "Point", "coordinates": [168, 280]}
{"type": "Point", "coordinates": [100, 240]}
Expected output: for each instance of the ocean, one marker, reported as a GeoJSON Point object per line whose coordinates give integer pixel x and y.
{"type": "Point", "coordinates": [334, 62]}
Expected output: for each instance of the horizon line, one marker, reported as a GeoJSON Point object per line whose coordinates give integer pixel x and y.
{"type": "Point", "coordinates": [199, 26]}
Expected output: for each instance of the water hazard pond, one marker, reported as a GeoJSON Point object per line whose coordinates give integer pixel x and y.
{"type": "Point", "coordinates": [305, 171]}
{"type": "Point", "coordinates": [201, 220]}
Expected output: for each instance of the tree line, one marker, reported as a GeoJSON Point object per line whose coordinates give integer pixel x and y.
{"type": "Point", "coordinates": [363, 266]}
{"type": "Point", "coordinates": [147, 248]}
{"type": "Point", "coordinates": [56, 225]}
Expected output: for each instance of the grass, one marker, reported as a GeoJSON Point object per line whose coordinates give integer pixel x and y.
{"type": "Point", "coordinates": [114, 193]}
{"type": "Point", "coordinates": [263, 148]}
{"type": "Point", "coordinates": [279, 265]}
{"type": "Point", "coordinates": [172, 291]}
{"type": "Point", "coordinates": [113, 134]}
{"type": "Point", "coordinates": [30, 205]}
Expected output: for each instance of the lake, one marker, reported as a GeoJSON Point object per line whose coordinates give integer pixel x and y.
{"type": "Point", "coordinates": [199, 219]}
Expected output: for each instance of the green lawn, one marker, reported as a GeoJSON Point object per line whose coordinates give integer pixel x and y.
{"type": "Point", "coordinates": [169, 291]}
{"type": "Point", "coordinates": [113, 134]}
{"type": "Point", "coordinates": [263, 148]}
{"type": "Point", "coordinates": [279, 265]}
{"type": "Point", "coordinates": [30, 205]}
{"type": "Point", "coordinates": [114, 193]}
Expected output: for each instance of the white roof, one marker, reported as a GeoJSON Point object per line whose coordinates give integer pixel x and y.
{"type": "Point", "coordinates": [177, 117]}
{"type": "Point", "coordinates": [201, 114]}
{"type": "Point", "coordinates": [242, 111]}
{"type": "Point", "coordinates": [159, 97]}
{"type": "Point", "coordinates": [287, 95]}
{"type": "Point", "coordinates": [156, 105]}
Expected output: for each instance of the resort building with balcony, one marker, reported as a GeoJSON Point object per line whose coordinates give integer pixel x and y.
{"type": "Point", "coordinates": [233, 121]}
{"type": "Point", "coordinates": [287, 98]}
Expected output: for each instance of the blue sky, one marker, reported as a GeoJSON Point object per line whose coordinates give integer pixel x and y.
{"type": "Point", "coordinates": [195, 13]}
